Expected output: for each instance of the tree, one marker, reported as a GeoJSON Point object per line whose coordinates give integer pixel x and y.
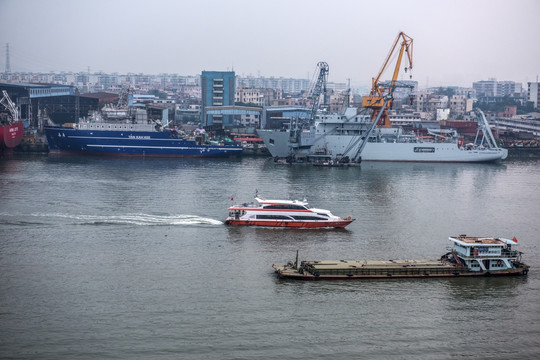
{"type": "Point", "coordinates": [157, 93]}
{"type": "Point", "coordinates": [504, 101]}
{"type": "Point", "coordinates": [448, 91]}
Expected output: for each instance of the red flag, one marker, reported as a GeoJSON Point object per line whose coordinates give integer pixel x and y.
{"type": "Point", "coordinates": [514, 239]}
{"type": "Point", "coordinates": [232, 198]}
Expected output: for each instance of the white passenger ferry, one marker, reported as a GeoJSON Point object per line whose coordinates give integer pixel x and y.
{"type": "Point", "coordinates": [283, 213]}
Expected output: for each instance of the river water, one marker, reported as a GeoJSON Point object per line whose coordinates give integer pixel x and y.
{"type": "Point", "coordinates": [122, 258]}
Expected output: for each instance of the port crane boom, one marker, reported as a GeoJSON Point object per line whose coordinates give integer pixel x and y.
{"type": "Point", "coordinates": [10, 106]}
{"type": "Point", "coordinates": [381, 95]}
{"type": "Point", "coordinates": [318, 87]}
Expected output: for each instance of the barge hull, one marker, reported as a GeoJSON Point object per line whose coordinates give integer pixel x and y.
{"type": "Point", "coordinates": [310, 277]}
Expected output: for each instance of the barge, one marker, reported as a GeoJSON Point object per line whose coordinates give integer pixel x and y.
{"type": "Point", "coordinates": [470, 256]}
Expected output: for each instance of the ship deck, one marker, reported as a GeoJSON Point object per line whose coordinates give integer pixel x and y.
{"type": "Point", "coordinates": [354, 264]}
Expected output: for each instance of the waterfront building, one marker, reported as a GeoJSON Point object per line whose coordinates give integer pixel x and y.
{"type": "Point", "coordinates": [528, 123]}
{"type": "Point", "coordinates": [218, 89]}
{"type": "Point", "coordinates": [39, 102]}
{"type": "Point", "coordinates": [190, 114]}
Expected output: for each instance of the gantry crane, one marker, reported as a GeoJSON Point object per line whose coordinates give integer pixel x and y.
{"type": "Point", "coordinates": [381, 95]}
{"type": "Point", "coordinates": [318, 88]}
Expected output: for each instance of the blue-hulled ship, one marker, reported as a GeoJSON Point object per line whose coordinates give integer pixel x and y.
{"type": "Point", "coordinates": [129, 137]}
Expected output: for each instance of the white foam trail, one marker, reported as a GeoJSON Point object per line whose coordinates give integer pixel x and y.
{"type": "Point", "coordinates": [135, 219]}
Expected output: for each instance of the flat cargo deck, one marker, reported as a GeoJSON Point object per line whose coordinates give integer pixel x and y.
{"type": "Point", "coordinates": [381, 269]}
{"type": "Point", "coordinates": [353, 264]}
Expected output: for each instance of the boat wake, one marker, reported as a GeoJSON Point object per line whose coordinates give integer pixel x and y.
{"type": "Point", "coordinates": [126, 219]}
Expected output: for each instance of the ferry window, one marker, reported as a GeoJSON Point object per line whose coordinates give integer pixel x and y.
{"type": "Point", "coordinates": [296, 217]}
{"type": "Point", "coordinates": [285, 206]}
{"type": "Point", "coordinates": [273, 217]}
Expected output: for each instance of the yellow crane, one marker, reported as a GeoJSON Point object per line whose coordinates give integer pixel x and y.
{"type": "Point", "coordinates": [381, 95]}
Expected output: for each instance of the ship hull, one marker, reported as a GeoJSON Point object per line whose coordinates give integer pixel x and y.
{"type": "Point", "coordinates": [132, 143]}
{"type": "Point", "coordinates": [418, 276]}
{"type": "Point", "coordinates": [11, 135]}
{"type": "Point", "coordinates": [290, 224]}
{"type": "Point", "coordinates": [286, 272]}
{"type": "Point", "coordinates": [278, 145]}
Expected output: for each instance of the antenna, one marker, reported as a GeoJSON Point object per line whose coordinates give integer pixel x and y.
{"type": "Point", "coordinates": [8, 66]}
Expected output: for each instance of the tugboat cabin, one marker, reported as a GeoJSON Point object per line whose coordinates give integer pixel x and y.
{"type": "Point", "coordinates": [486, 254]}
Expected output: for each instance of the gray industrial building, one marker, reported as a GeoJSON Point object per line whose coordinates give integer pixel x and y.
{"type": "Point", "coordinates": [38, 102]}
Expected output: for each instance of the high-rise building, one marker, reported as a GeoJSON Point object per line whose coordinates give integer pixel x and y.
{"type": "Point", "coordinates": [218, 88]}
{"type": "Point", "coordinates": [532, 93]}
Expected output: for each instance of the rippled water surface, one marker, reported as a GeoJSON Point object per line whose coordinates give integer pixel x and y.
{"type": "Point", "coordinates": [128, 258]}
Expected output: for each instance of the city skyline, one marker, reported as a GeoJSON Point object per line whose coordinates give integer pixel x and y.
{"type": "Point", "coordinates": [455, 43]}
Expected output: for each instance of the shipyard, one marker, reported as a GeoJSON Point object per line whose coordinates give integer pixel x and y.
{"type": "Point", "coordinates": [323, 123]}
{"type": "Point", "coordinates": [519, 137]}
{"type": "Point", "coordinates": [284, 180]}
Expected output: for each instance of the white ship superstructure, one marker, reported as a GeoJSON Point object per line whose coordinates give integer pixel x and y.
{"type": "Point", "coordinates": [342, 134]}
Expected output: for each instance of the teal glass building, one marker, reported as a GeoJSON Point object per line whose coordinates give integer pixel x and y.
{"type": "Point", "coordinates": [217, 89]}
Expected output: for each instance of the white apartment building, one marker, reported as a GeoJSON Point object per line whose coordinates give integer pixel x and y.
{"type": "Point", "coordinates": [494, 88]}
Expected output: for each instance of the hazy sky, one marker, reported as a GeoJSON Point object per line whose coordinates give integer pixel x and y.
{"type": "Point", "coordinates": [456, 42]}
